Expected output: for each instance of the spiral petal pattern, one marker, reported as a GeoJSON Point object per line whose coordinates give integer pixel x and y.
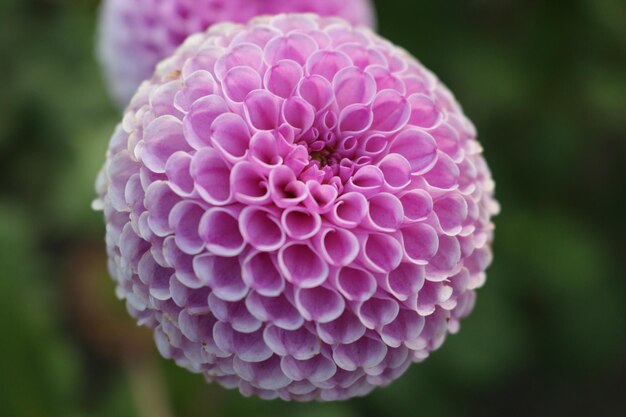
{"type": "Point", "coordinates": [303, 223]}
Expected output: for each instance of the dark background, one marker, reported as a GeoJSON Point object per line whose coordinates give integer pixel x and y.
{"type": "Point", "coordinates": [545, 83]}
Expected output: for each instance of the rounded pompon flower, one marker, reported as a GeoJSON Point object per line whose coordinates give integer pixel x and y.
{"type": "Point", "coordinates": [297, 208]}
{"type": "Point", "coordinates": [135, 35]}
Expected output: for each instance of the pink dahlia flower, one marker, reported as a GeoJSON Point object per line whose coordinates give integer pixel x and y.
{"type": "Point", "coordinates": [135, 35]}
{"type": "Point", "coordinates": [297, 208]}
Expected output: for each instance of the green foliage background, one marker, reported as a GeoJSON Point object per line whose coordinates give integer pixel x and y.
{"type": "Point", "coordinates": [545, 83]}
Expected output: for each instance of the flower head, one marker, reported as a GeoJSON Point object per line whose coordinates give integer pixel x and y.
{"type": "Point", "coordinates": [134, 35]}
{"type": "Point", "coordinates": [297, 208]}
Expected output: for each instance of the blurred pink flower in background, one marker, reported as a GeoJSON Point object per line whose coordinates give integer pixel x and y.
{"type": "Point", "coordinates": [134, 35]}
{"type": "Point", "coordinates": [297, 208]}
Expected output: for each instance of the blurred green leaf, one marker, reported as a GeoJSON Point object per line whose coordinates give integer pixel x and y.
{"type": "Point", "coordinates": [563, 273]}
{"type": "Point", "coordinates": [39, 372]}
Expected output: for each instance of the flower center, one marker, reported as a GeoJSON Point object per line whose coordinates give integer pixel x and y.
{"type": "Point", "coordinates": [330, 156]}
{"type": "Point", "coordinates": [321, 156]}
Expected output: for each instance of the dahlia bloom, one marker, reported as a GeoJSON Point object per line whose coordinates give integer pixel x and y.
{"type": "Point", "coordinates": [134, 35]}
{"type": "Point", "coordinates": [297, 208]}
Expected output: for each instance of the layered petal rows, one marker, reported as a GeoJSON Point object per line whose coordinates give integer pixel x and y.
{"type": "Point", "coordinates": [134, 35]}
{"type": "Point", "coordinates": [297, 208]}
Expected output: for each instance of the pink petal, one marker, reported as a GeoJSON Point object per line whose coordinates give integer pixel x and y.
{"type": "Point", "coordinates": [239, 81]}
{"type": "Point", "coordinates": [385, 213]}
{"type": "Point", "coordinates": [260, 272]}
{"type": "Point", "coordinates": [300, 224]}
{"type": "Point", "coordinates": [230, 135]}
{"type": "Point", "coordinates": [308, 304]}
{"type": "Point", "coordinates": [418, 147]}
{"type": "Point", "coordinates": [262, 110]}
{"type": "Point", "coordinates": [249, 185]}
{"type": "Point", "coordinates": [420, 243]}
{"type": "Point", "coordinates": [211, 176]}
{"type": "Point", "coordinates": [197, 123]}
{"type": "Point", "coordinates": [355, 284]}
{"type": "Point", "coordinates": [391, 111]}
{"type": "Point", "coordinates": [283, 77]}
{"type": "Point", "coordinates": [223, 275]}
{"type": "Point", "coordinates": [219, 229]}
{"type": "Point", "coordinates": [261, 228]}
{"type": "Point", "coordinates": [302, 266]}
{"type": "Point", "coordinates": [353, 86]}
{"type": "Point", "coordinates": [381, 253]}
{"type": "Point", "coordinates": [337, 246]}
{"type": "Point", "coordinates": [163, 137]}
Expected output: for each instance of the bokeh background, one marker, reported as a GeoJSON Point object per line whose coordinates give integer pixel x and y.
{"type": "Point", "coordinates": [544, 81]}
